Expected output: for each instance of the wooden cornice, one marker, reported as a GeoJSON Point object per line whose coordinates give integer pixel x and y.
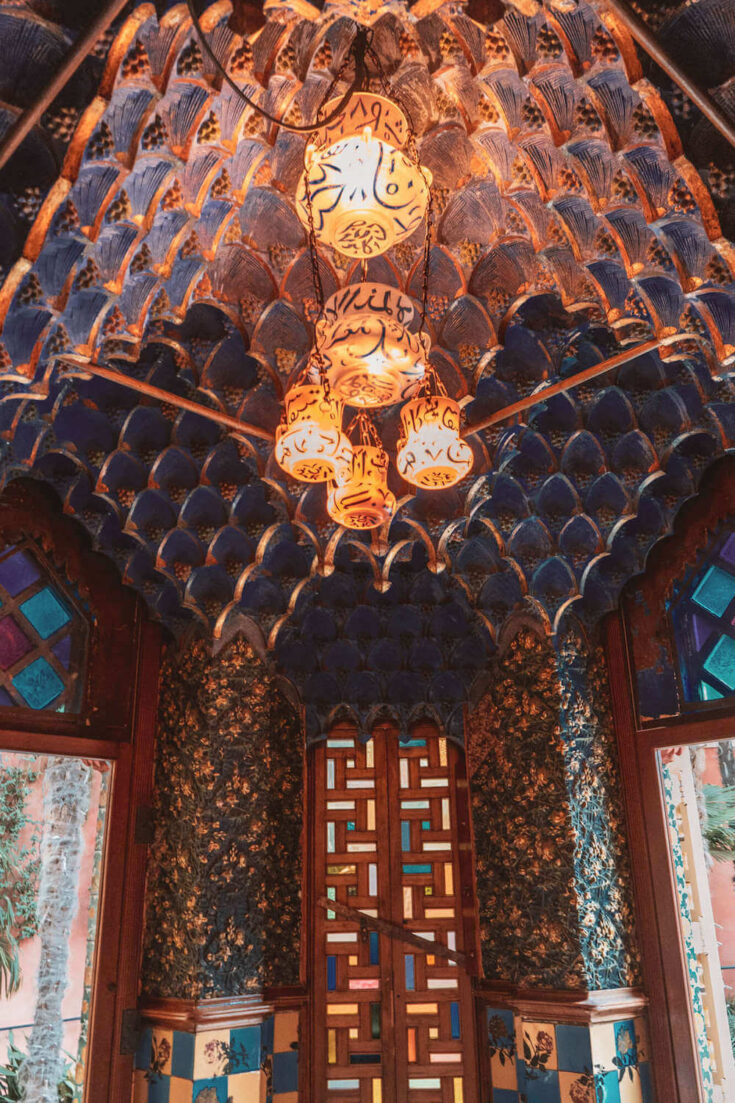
{"type": "Point", "coordinates": [577, 1005]}
{"type": "Point", "coordinates": [220, 1013]}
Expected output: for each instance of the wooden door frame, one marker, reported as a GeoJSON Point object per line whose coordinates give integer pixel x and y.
{"type": "Point", "coordinates": [671, 1023]}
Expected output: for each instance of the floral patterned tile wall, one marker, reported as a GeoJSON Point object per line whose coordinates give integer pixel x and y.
{"type": "Point", "coordinates": [252, 1064]}
{"type": "Point", "coordinates": [535, 1062]}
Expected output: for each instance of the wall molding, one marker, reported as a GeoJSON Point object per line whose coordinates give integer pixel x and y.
{"type": "Point", "coordinates": [219, 1013]}
{"type": "Point", "coordinates": [576, 1005]}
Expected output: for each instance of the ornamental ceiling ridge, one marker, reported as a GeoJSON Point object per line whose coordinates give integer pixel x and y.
{"type": "Point", "coordinates": [570, 226]}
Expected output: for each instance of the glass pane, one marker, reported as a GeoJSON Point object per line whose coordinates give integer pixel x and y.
{"type": "Point", "coordinates": [715, 591]}
{"type": "Point", "coordinates": [699, 796]}
{"type": "Point", "coordinates": [52, 830]}
{"type": "Point", "coordinates": [43, 634]}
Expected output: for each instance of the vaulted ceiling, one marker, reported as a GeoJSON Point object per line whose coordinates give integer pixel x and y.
{"type": "Point", "coordinates": [570, 225]}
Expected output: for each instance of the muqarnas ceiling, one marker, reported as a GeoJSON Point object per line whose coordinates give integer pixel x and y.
{"type": "Point", "coordinates": [568, 226]}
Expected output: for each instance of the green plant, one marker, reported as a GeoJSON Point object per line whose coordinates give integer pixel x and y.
{"type": "Point", "coordinates": [10, 1087]}
{"type": "Point", "coordinates": [731, 1022]}
{"type": "Point", "coordinates": [719, 827]}
{"type": "Point", "coordinates": [18, 874]}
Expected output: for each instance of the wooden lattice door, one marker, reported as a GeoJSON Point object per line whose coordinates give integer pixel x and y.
{"type": "Point", "coordinates": [393, 1016]}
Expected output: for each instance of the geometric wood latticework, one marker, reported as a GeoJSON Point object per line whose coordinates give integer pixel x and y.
{"type": "Point", "coordinates": [568, 225]}
{"type": "Point", "coordinates": [392, 1021]}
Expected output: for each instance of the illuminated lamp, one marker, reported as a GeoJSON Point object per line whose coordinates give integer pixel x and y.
{"type": "Point", "coordinates": [310, 444]}
{"type": "Point", "coordinates": [365, 193]}
{"type": "Point", "coordinates": [431, 453]}
{"type": "Point", "coordinates": [363, 500]}
{"type": "Point", "coordinates": [370, 357]}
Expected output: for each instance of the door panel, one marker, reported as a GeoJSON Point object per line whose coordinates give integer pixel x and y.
{"type": "Point", "coordinates": [392, 1020]}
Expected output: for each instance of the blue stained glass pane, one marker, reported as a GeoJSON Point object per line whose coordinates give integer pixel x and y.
{"type": "Point", "coordinates": [331, 973]}
{"type": "Point", "coordinates": [413, 742]}
{"type": "Point", "coordinates": [364, 1058]}
{"type": "Point", "coordinates": [715, 591]}
{"type": "Point", "coordinates": [62, 651]}
{"type": "Point", "coordinates": [721, 661]}
{"type": "Point", "coordinates": [454, 1016]}
{"type": "Point", "coordinates": [350, 825]}
{"type": "Point", "coordinates": [45, 612]}
{"type": "Point", "coordinates": [405, 834]}
{"type": "Point", "coordinates": [410, 973]}
{"type": "Point", "coordinates": [728, 551]}
{"type": "Point", "coordinates": [17, 572]}
{"type": "Point", "coordinates": [410, 868]}
{"type": "Point", "coordinates": [701, 630]}
{"type": "Point", "coordinates": [38, 684]}
{"type": "Point", "coordinates": [374, 948]}
{"type": "Point", "coordinates": [426, 825]}
{"type": "Point", "coordinates": [708, 692]}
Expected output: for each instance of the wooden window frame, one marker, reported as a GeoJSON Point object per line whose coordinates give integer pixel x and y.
{"type": "Point", "coordinates": [674, 1056]}
{"type": "Point", "coordinates": [123, 653]}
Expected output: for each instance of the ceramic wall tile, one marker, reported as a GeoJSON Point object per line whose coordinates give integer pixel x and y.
{"type": "Point", "coordinates": [211, 1053]}
{"type": "Point", "coordinates": [245, 1087]}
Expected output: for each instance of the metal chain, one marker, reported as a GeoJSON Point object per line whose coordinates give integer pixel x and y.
{"type": "Point", "coordinates": [412, 150]}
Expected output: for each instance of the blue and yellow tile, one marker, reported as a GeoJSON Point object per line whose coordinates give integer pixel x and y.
{"type": "Point", "coordinates": [211, 1054]}
{"type": "Point", "coordinates": [181, 1090]}
{"type": "Point", "coordinates": [245, 1087]}
{"type": "Point", "coordinates": [574, 1048]}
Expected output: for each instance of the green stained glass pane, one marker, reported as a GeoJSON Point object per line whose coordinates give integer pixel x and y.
{"type": "Point", "coordinates": [45, 612]}
{"type": "Point", "coordinates": [375, 1020]}
{"type": "Point", "coordinates": [708, 692]}
{"type": "Point", "coordinates": [721, 661]}
{"type": "Point", "coordinates": [715, 591]}
{"type": "Point", "coordinates": [38, 684]}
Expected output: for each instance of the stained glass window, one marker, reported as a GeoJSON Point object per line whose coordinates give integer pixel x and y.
{"type": "Point", "coordinates": [42, 634]}
{"type": "Point", "coordinates": [703, 614]}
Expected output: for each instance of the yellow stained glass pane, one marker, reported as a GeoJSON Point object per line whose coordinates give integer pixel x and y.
{"type": "Point", "coordinates": [448, 879]}
{"type": "Point", "coordinates": [458, 1090]}
{"type": "Point", "coordinates": [332, 1047]}
{"type": "Point", "coordinates": [422, 1009]}
{"type": "Point", "coordinates": [407, 902]}
{"type": "Point", "coordinates": [371, 815]}
{"type": "Point", "coordinates": [377, 1091]}
{"type": "Point", "coordinates": [370, 758]}
{"type": "Point", "coordinates": [354, 1032]}
{"type": "Point", "coordinates": [342, 1009]}
{"type": "Point", "coordinates": [433, 1031]}
{"type": "Point", "coordinates": [353, 959]}
{"type": "Point", "coordinates": [442, 751]}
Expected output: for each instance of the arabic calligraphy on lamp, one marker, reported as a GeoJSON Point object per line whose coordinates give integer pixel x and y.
{"type": "Point", "coordinates": [431, 453]}
{"type": "Point", "coordinates": [371, 357]}
{"type": "Point", "coordinates": [365, 193]}
{"type": "Point", "coordinates": [310, 444]}
{"type": "Point", "coordinates": [363, 500]}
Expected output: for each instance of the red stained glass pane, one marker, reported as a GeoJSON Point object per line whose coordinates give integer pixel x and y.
{"type": "Point", "coordinates": [13, 643]}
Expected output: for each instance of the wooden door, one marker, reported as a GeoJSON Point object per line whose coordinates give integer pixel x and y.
{"type": "Point", "coordinates": [392, 1020]}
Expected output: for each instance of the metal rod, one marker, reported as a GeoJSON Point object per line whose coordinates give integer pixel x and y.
{"type": "Point", "coordinates": [392, 930]}
{"type": "Point", "coordinates": [645, 38]}
{"type": "Point", "coordinates": [148, 389]}
{"type": "Point", "coordinates": [28, 119]}
{"type": "Point", "coordinates": [563, 385]}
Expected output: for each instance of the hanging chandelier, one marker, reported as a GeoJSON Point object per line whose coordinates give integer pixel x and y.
{"type": "Point", "coordinates": [362, 192]}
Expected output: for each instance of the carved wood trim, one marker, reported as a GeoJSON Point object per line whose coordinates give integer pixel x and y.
{"type": "Point", "coordinates": [219, 1013]}
{"type": "Point", "coordinates": [576, 1006]}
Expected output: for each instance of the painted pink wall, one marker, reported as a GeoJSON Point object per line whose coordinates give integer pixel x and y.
{"type": "Point", "coordinates": [722, 889]}
{"type": "Point", "coordinates": [19, 1008]}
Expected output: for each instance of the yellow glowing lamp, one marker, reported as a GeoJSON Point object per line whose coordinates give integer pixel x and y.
{"type": "Point", "coordinates": [310, 445]}
{"type": "Point", "coordinates": [363, 500]}
{"type": "Point", "coordinates": [431, 453]}
{"type": "Point", "coordinates": [365, 193]}
{"type": "Point", "coordinates": [370, 356]}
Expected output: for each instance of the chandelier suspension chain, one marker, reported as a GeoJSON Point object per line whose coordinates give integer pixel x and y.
{"type": "Point", "coordinates": [357, 50]}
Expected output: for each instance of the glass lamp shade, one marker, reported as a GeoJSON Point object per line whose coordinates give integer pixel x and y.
{"type": "Point", "coordinates": [366, 195]}
{"type": "Point", "coordinates": [371, 358]}
{"type": "Point", "coordinates": [431, 453]}
{"type": "Point", "coordinates": [311, 445]}
{"type": "Point", "coordinates": [363, 500]}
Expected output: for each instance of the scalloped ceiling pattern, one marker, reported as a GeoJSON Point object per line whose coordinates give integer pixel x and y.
{"type": "Point", "coordinates": [569, 226]}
